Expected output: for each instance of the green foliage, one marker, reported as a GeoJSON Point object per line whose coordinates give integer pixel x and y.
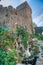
{"type": "Point", "coordinates": [7, 58]}
{"type": "Point", "coordinates": [24, 42]}
{"type": "Point", "coordinates": [9, 55]}
{"type": "Point", "coordinates": [21, 31]}
{"type": "Point", "coordinates": [10, 59]}
{"type": "Point", "coordinates": [3, 36]}
{"type": "Point", "coordinates": [3, 30]}
{"type": "Point", "coordinates": [7, 43]}
{"type": "Point", "coordinates": [40, 37]}
{"type": "Point", "coordinates": [12, 36]}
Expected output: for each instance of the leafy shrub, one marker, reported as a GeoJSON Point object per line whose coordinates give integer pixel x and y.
{"type": "Point", "coordinates": [21, 31]}
{"type": "Point", "coordinates": [6, 58]}
{"type": "Point", "coordinates": [40, 37]}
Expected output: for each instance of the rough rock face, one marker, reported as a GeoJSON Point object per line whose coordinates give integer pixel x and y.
{"type": "Point", "coordinates": [21, 15]}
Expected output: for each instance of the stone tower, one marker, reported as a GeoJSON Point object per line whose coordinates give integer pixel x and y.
{"type": "Point", "coordinates": [22, 15]}
{"type": "Point", "coordinates": [25, 11]}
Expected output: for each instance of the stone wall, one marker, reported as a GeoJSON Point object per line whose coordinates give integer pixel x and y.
{"type": "Point", "coordinates": [22, 15]}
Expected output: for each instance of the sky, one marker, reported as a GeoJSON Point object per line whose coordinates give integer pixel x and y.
{"type": "Point", "coordinates": [36, 6]}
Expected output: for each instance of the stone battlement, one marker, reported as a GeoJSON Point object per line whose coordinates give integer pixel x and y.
{"type": "Point", "coordinates": [18, 8]}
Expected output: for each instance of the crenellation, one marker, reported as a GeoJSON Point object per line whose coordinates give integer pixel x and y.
{"type": "Point", "coordinates": [10, 7]}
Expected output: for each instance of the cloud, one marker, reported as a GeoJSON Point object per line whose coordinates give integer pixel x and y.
{"type": "Point", "coordinates": [6, 2]}
{"type": "Point", "coordinates": [25, 0]}
{"type": "Point", "coordinates": [22, 0]}
{"type": "Point", "coordinates": [39, 20]}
